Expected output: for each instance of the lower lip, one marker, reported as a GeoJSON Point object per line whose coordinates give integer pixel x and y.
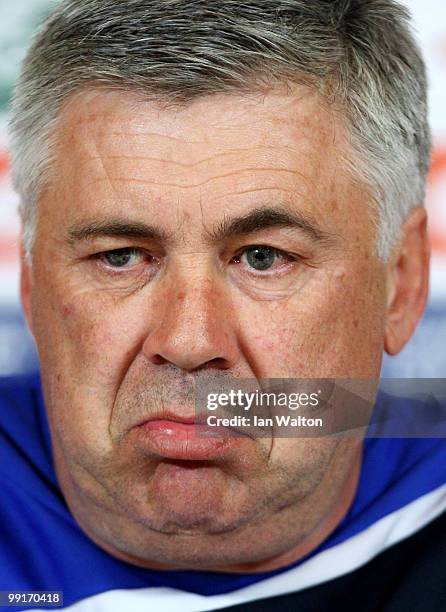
{"type": "Point", "coordinates": [190, 441]}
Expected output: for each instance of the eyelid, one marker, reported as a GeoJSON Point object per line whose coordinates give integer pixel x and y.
{"type": "Point", "coordinates": [140, 252]}
{"type": "Point", "coordinates": [277, 251]}
{"type": "Point", "coordinates": [100, 257]}
{"type": "Point", "coordinates": [131, 250]}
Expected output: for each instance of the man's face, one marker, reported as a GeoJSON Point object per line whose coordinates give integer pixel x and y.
{"type": "Point", "coordinates": [145, 282]}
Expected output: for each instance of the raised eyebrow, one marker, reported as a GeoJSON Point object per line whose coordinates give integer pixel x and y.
{"type": "Point", "coordinates": [256, 220]}
{"type": "Point", "coordinates": [265, 218]}
{"type": "Point", "coordinates": [116, 228]}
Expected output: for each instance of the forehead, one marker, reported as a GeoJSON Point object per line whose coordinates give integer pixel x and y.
{"type": "Point", "coordinates": [217, 119]}
{"type": "Point", "coordinates": [232, 150]}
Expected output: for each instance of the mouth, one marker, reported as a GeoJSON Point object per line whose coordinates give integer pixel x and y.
{"type": "Point", "coordinates": [186, 438]}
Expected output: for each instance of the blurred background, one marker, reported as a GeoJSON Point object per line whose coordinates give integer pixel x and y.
{"type": "Point", "coordinates": [424, 356]}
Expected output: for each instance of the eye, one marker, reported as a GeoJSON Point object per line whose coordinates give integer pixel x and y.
{"type": "Point", "coordinates": [122, 258]}
{"type": "Point", "coordinates": [260, 258]}
{"type": "Point", "coordinates": [263, 258]}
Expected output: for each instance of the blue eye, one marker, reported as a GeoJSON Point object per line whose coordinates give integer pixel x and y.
{"type": "Point", "coordinates": [121, 258]}
{"type": "Point", "coordinates": [260, 257]}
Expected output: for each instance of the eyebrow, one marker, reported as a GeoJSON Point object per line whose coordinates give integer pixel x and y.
{"type": "Point", "coordinates": [117, 228]}
{"type": "Point", "coordinates": [256, 220]}
{"type": "Point", "coordinates": [265, 218]}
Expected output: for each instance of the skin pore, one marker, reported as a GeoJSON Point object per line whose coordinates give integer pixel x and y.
{"type": "Point", "coordinates": [142, 286]}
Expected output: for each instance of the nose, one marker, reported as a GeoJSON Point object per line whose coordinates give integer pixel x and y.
{"type": "Point", "coordinates": [196, 327]}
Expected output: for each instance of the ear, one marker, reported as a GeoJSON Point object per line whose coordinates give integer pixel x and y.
{"type": "Point", "coordinates": [26, 286]}
{"type": "Point", "coordinates": [407, 281]}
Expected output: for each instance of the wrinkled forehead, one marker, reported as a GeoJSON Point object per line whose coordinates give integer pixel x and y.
{"type": "Point", "coordinates": [300, 111]}
{"type": "Point", "coordinates": [230, 150]}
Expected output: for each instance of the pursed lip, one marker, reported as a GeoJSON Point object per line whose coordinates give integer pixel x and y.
{"type": "Point", "coordinates": [166, 415]}
{"type": "Point", "coordinates": [174, 436]}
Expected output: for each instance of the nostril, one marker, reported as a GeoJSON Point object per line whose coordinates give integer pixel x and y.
{"type": "Point", "coordinates": [218, 362]}
{"type": "Point", "coordinates": [159, 359]}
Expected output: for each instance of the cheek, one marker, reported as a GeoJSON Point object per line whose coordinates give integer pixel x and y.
{"type": "Point", "coordinates": [93, 333]}
{"type": "Point", "coordinates": [332, 327]}
{"type": "Point", "coordinates": [86, 345]}
{"type": "Point", "coordinates": [355, 322]}
{"type": "Point", "coordinates": [302, 457]}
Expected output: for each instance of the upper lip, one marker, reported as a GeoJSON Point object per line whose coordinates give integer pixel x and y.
{"type": "Point", "coordinates": [197, 419]}
{"type": "Point", "coordinates": [172, 416]}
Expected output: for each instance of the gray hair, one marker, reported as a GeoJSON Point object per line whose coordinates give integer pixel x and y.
{"type": "Point", "coordinates": [359, 53]}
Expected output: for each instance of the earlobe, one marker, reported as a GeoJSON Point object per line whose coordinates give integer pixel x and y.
{"type": "Point", "coordinates": [408, 282]}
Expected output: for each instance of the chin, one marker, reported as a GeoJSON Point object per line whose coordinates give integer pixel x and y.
{"type": "Point", "coordinates": [174, 516]}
